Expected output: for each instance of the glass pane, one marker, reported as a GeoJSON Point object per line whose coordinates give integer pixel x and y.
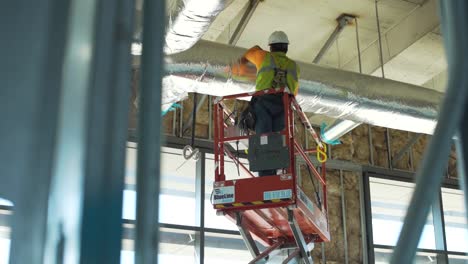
{"type": "Point", "coordinates": [4, 250]}
{"type": "Point", "coordinates": [127, 257]}
{"type": "Point", "coordinates": [131, 164]}
{"type": "Point", "coordinates": [230, 168]}
{"type": "Point", "coordinates": [382, 256]}
{"type": "Point", "coordinates": [129, 195]}
{"type": "Point", "coordinates": [176, 246]}
{"type": "Point", "coordinates": [211, 219]}
{"type": "Point", "coordinates": [389, 202]}
{"type": "Point", "coordinates": [455, 220]}
{"type": "Point", "coordinates": [177, 197]}
{"type": "Point", "coordinates": [5, 231]}
{"type": "Point", "coordinates": [218, 246]}
{"type": "Point", "coordinates": [454, 259]}
{"type": "Point", "coordinates": [129, 205]}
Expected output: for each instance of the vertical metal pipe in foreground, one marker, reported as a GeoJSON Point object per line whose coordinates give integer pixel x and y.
{"type": "Point", "coordinates": [30, 93]}
{"type": "Point", "coordinates": [428, 179]}
{"type": "Point", "coordinates": [73, 133]}
{"type": "Point", "coordinates": [107, 128]}
{"type": "Point", "coordinates": [200, 207]}
{"type": "Point", "coordinates": [149, 134]}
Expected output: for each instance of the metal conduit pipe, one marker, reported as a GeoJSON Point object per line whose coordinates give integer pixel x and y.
{"type": "Point", "coordinates": [208, 68]}
{"type": "Point", "coordinates": [338, 129]}
{"type": "Point", "coordinates": [188, 22]}
{"type": "Point", "coordinates": [331, 134]}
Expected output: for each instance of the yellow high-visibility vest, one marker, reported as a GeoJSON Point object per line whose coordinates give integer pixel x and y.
{"type": "Point", "coordinates": [266, 73]}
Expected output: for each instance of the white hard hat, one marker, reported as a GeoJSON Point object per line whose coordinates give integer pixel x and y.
{"type": "Point", "coordinates": [278, 37]}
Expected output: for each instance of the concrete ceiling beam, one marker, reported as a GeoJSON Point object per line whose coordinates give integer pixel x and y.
{"type": "Point", "coordinates": [419, 63]}
{"type": "Point", "coordinates": [226, 22]}
{"type": "Point", "coordinates": [438, 82]}
{"type": "Point", "coordinates": [416, 25]}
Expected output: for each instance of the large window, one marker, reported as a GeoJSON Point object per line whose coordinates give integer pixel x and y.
{"type": "Point", "coordinates": [444, 238]}
{"type": "Point", "coordinates": [180, 213]}
{"type": "Point", "coordinates": [389, 203]}
{"type": "Point", "coordinates": [455, 220]}
{"type": "Point", "coordinates": [219, 246]}
{"type": "Point", "coordinates": [177, 198]}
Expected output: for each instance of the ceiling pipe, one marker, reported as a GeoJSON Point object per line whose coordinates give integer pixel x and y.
{"type": "Point", "coordinates": [343, 20]}
{"type": "Point", "coordinates": [251, 6]}
{"type": "Point", "coordinates": [331, 134]}
{"type": "Point", "coordinates": [207, 68]}
{"type": "Point", "coordinates": [188, 22]}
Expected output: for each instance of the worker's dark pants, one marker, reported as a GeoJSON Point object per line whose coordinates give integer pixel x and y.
{"type": "Point", "coordinates": [269, 115]}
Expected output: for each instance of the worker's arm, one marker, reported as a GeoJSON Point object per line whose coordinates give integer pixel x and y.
{"type": "Point", "coordinates": [254, 55]}
{"type": "Point", "coordinates": [298, 78]}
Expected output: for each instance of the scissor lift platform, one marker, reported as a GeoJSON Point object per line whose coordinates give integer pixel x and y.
{"type": "Point", "coordinates": [274, 210]}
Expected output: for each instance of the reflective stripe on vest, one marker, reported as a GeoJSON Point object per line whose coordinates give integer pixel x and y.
{"type": "Point", "coordinates": [266, 73]}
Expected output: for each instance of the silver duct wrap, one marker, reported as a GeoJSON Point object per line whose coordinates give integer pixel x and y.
{"type": "Point", "coordinates": [188, 22]}
{"type": "Point", "coordinates": [207, 69]}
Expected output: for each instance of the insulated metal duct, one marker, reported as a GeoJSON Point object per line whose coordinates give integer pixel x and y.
{"type": "Point", "coordinates": [188, 22]}
{"type": "Point", "coordinates": [207, 68]}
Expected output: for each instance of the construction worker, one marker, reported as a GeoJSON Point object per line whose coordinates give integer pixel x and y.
{"type": "Point", "coordinates": [274, 70]}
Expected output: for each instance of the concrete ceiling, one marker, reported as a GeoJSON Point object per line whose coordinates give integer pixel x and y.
{"type": "Point", "coordinates": [412, 45]}
{"type": "Point", "coordinates": [411, 41]}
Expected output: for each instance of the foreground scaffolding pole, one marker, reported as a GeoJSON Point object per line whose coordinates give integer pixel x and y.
{"type": "Point", "coordinates": [428, 179]}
